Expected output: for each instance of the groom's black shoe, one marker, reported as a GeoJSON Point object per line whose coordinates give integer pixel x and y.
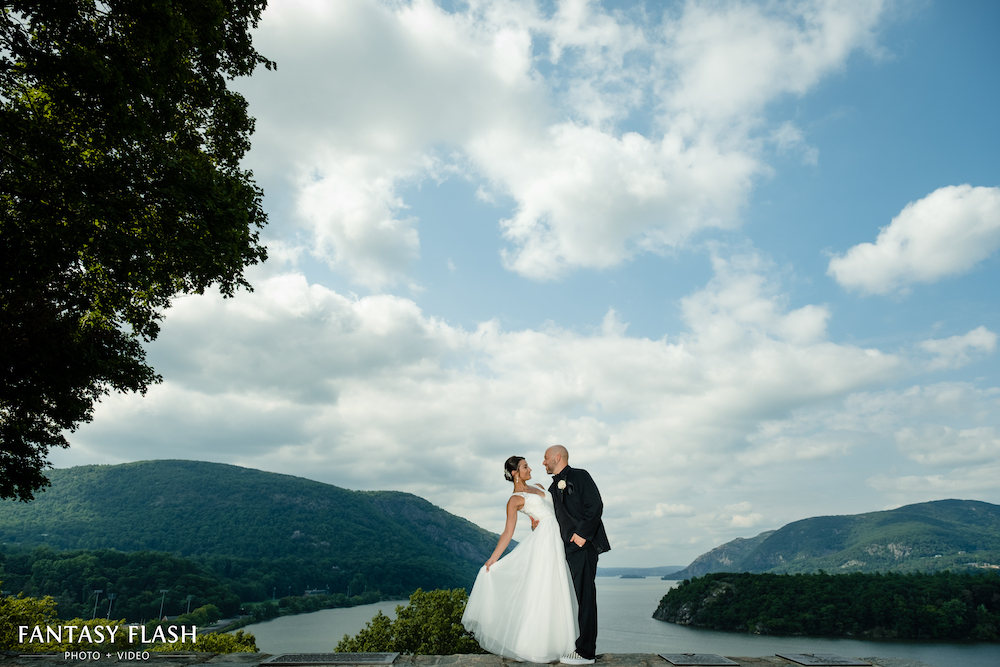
{"type": "Point", "coordinates": [575, 658]}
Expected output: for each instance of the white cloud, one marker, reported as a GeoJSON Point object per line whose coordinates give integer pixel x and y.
{"type": "Point", "coordinates": [729, 59]}
{"type": "Point", "coordinates": [373, 393]}
{"type": "Point", "coordinates": [587, 198]}
{"type": "Point", "coordinates": [364, 96]}
{"type": "Point", "coordinates": [747, 520]}
{"type": "Point", "coordinates": [354, 212]}
{"type": "Point", "coordinates": [789, 139]}
{"type": "Point", "coordinates": [949, 430]}
{"type": "Point", "coordinates": [959, 483]}
{"type": "Point", "coordinates": [770, 445]}
{"type": "Point", "coordinates": [370, 97]}
{"type": "Point", "coordinates": [944, 234]}
{"type": "Point", "coordinates": [590, 197]}
{"type": "Point", "coordinates": [669, 509]}
{"type": "Point", "coordinates": [954, 352]}
{"type": "Point", "coordinates": [385, 79]}
{"type": "Point", "coordinates": [742, 294]}
{"type": "Point", "coordinates": [935, 444]}
{"type": "Point", "coordinates": [666, 510]}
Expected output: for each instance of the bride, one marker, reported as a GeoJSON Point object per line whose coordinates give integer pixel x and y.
{"type": "Point", "coordinates": [524, 607]}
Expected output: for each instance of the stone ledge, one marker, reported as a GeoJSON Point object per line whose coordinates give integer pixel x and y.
{"type": "Point", "coordinates": [13, 659]}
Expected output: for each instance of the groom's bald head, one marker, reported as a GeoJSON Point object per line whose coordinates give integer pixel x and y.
{"type": "Point", "coordinates": [556, 458]}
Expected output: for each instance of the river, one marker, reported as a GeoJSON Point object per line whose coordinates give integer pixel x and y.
{"type": "Point", "coordinates": [626, 625]}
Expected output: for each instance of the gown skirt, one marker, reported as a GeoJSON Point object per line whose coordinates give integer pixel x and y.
{"type": "Point", "coordinates": [525, 607]}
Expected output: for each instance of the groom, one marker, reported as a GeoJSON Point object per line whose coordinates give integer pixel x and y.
{"type": "Point", "coordinates": [578, 510]}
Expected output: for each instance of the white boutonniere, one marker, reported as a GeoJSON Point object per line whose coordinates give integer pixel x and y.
{"type": "Point", "coordinates": [562, 485]}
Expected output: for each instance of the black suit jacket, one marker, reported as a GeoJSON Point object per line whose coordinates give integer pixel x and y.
{"type": "Point", "coordinates": [579, 508]}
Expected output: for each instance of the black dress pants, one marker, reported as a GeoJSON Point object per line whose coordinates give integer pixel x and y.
{"type": "Point", "coordinates": [583, 568]}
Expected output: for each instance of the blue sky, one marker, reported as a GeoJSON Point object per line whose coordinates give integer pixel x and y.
{"type": "Point", "coordinates": [741, 258]}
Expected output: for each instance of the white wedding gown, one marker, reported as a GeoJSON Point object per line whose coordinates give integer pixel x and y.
{"type": "Point", "coordinates": [525, 607]}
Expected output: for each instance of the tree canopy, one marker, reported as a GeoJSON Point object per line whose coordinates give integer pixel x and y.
{"type": "Point", "coordinates": [431, 624]}
{"type": "Point", "coordinates": [943, 605]}
{"type": "Point", "coordinates": [120, 187]}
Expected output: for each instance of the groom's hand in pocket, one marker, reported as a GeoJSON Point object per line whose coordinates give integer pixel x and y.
{"type": "Point", "coordinates": [577, 540]}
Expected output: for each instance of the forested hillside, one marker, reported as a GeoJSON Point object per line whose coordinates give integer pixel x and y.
{"type": "Point", "coordinates": [912, 606]}
{"type": "Point", "coordinates": [145, 583]}
{"type": "Point", "coordinates": [262, 529]}
{"type": "Point", "coordinates": [956, 535]}
{"type": "Point", "coordinates": [137, 578]}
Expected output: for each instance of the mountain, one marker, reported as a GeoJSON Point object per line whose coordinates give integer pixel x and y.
{"type": "Point", "coordinates": [238, 519]}
{"type": "Point", "coordinates": [925, 537]}
{"type": "Point", "coordinates": [722, 558]}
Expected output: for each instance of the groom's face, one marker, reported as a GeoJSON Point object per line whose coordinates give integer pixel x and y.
{"type": "Point", "coordinates": [549, 462]}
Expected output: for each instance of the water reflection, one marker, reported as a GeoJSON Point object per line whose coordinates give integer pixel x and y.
{"type": "Point", "coordinates": [626, 626]}
{"type": "Point", "coordinates": [318, 631]}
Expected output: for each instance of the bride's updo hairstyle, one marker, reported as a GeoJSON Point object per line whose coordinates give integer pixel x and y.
{"type": "Point", "coordinates": [510, 466]}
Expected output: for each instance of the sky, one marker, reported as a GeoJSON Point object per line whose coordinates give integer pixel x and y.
{"type": "Point", "coordinates": [736, 256]}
